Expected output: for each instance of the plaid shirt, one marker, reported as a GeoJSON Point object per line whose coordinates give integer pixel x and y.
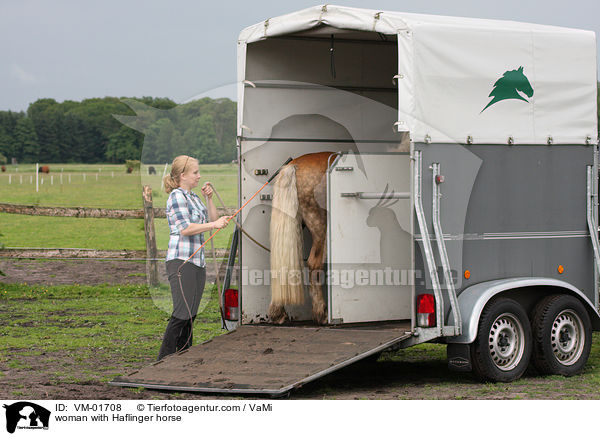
{"type": "Point", "coordinates": [183, 208]}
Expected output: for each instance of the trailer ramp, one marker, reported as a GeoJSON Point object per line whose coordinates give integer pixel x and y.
{"type": "Point", "coordinates": [265, 359]}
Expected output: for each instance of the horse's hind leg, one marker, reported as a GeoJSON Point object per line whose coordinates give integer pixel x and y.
{"type": "Point", "coordinates": [312, 197]}
{"type": "Point", "coordinates": [319, 308]}
{"type": "Point", "coordinates": [277, 314]}
{"type": "Point", "coordinates": [316, 223]}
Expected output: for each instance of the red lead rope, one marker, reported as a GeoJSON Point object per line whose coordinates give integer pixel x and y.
{"type": "Point", "coordinates": [236, 212]}
{"type": "Point", "coordinates": [230, 218]}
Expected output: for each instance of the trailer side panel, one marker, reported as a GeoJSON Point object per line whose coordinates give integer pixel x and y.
{"type": "Point", "coordinates": [526, 213]}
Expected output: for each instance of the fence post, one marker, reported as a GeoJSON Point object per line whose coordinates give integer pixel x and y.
{"type": "Point", "coordinates": [151, 252]}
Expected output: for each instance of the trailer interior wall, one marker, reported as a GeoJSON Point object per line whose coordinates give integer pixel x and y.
{"type": "Point", "coordinates": [300, 98]}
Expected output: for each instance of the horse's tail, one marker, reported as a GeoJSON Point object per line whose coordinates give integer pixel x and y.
{"type": "Point", "coordinates": [286, 241]}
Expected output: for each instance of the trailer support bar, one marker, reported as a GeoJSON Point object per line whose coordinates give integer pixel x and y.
{"type": "Point", "coordinates": [429, 258]}
{"type": "Point", "coordinates": [439, 237]}
{"type": "Point", "coordinates": [591, 220]}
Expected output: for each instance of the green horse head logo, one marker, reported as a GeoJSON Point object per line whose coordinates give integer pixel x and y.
{"type": "Point", "coordinates": [510, 86]}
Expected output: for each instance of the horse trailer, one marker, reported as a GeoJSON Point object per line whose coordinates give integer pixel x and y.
{"type": "Point", "coordinates": [461, 198]}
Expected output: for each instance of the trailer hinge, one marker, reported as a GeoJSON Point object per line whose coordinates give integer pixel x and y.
{"type": "Point", "coordinates": [450, 330]}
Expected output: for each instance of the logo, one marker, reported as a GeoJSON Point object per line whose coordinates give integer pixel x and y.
{"type": "Point", "coordinates": [26, 415]}
{"type": "Point", "coordinates": [459, 362]}
{"type": "Point", "coordinates": [511, 85]}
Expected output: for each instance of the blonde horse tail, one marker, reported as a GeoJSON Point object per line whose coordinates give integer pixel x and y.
{"type": "Point", "coordinates": [286, 241]}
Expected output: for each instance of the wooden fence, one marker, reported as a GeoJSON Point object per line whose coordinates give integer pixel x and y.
{"type": "Point", "coordinates": [148, 213]}
{"type": "Point", "coordinates": [90, 212]}
{"type": "Point", "coordinates": [90, 253]}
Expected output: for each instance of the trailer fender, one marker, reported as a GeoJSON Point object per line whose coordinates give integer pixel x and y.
{"type": "Point", "coordinates": [473, 299]}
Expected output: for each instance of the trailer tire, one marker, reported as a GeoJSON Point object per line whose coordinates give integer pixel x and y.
{"type": "Point", "coordinates": [562, 334]}
{"type": "Point", "coordinates": [503, 346]}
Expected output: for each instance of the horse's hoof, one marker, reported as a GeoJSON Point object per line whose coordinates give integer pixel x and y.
{"type": "Point", "coordinates": [277, 315]}
{"type": "Point", "coordinates": [320, 318]}
{"type": "Point", "coordinates": [283, 320]}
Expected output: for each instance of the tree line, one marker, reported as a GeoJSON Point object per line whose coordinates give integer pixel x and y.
{"type": "Point", "coordinates": [114, 129]}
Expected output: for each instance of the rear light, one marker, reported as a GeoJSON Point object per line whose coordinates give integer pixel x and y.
{"type": "Point", "coordinates": [426, 310]}
{"type": "Point", "coordinates": [232, 310]}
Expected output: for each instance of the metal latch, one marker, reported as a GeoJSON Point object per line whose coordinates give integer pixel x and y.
{"type": "Point", "coordinates": [261, 172]}
{"type": "Point", "coordinates": [266, 197]}
{"type": "Point", "coordinates": [344, 168]}
{"type": "Point", "coordinates": [375, 195]}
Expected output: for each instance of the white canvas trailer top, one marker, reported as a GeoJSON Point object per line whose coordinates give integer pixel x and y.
{"type": "Point", "coordinates": [450, 65]}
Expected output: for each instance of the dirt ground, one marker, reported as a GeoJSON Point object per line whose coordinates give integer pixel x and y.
{"type": "Point", "coordinates": [405, 375]}
{"type": "Point", "coordinates": [83, 272]}
{"type": "Point", "coordinates": [364, 380]}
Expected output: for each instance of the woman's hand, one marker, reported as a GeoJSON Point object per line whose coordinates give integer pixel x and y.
{"type": "Point", "coordinates": [207, 190]}
{"type": "Point", "coordinates": [221, 222]}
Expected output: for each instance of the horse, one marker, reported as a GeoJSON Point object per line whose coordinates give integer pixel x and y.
{"type": "Point", "coordinates": [299, 191]}
{"type": "Point", "coordinates": [45, 169]}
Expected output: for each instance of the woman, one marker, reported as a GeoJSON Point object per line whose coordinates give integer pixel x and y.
{"type": "Point", "coordinates": [188, 218]}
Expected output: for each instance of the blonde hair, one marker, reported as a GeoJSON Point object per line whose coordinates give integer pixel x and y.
{"type": "Point", "coordinates": [180, 164]}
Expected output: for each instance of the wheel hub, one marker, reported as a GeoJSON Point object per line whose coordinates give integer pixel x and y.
{"type": "Point", "coordinates": [506, 342]}
{"type": "Point", "coordinates": [566, 337]}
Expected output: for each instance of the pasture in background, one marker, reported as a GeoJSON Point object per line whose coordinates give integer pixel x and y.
{"type": "Point", "coordinates": [100, 186]}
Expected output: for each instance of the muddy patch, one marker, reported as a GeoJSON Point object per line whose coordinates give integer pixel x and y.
{"type": "Point", "coordinates": [82, 272]}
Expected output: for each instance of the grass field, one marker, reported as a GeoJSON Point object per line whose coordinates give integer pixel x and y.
{"type": "Point", "coordinates": [68, 341]}
{"type": "Point", "coordinates": [105, 186]}
{"type": "Point", "coordinates": [93, 333]}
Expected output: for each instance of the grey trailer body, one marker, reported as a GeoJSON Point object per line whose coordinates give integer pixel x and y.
{"type": "Point", "coordinates": [512, 212]}
{"type": "Point", "coordinates": [448, 223]}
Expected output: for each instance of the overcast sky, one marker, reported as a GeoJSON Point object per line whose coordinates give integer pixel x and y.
{"type": "Point", "coordinates": [74, 49]}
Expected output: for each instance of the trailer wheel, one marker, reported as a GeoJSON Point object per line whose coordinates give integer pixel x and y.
{"type": "Point", "coordinates": [502, 348]}
{"type": "Point", "coordinates": [562, 333]}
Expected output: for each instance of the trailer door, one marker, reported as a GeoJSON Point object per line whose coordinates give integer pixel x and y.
{"type": "Point", "coordinates": [370, 244]}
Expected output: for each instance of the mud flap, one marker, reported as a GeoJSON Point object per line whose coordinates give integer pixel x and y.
{"type": "Point", "coordinates": [459, 357]}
